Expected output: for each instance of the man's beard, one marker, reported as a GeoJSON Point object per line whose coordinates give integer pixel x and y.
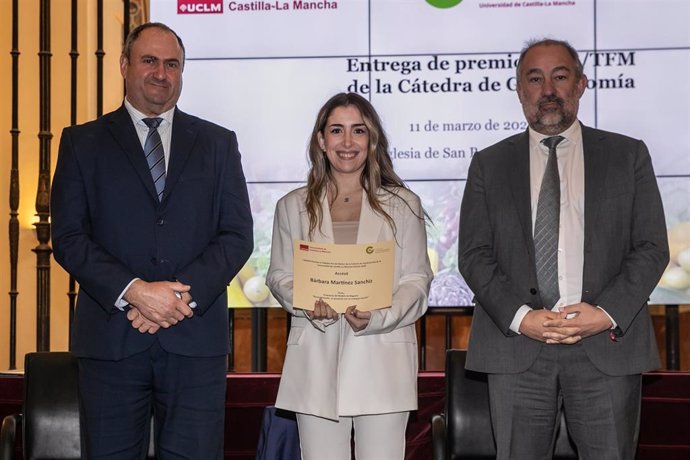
{"type": "Point", "coordinates": [551, 121]}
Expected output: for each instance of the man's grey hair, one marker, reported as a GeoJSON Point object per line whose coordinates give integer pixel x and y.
{"type": "Point", "coordinates": [551, 42]}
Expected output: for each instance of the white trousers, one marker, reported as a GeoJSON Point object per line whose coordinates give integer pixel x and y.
{"type": "Point", "coordinates": [376, 437]}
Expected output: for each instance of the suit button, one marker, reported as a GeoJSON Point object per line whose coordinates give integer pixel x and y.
{"type": "Point", "coordinates": [533, 291]}
{"type": "Point", "coordinates": [153, 261]}
{"type": "Point", "coordinates": [160, 222]}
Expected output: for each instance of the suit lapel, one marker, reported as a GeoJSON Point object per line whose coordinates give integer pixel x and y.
{"type": "Point", "coordinates": [122, 129]}
{"type": "Point", "coordinates": [596, 165]}
{"type": "Point", "coordinates": [519, 179]}
{"type": "Point", "coordinates": [325, 233]}
{"type": "Point", "coordinates": [370, 222]}
{"type": "Point", "coordinates": [183, 138]}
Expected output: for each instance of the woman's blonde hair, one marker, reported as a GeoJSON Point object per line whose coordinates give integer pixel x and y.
{"type": "Point", "coordinates": [378, 170]}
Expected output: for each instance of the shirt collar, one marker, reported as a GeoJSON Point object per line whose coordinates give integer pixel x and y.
{"type": "Point", "coordinates": [571, 135]}
{"type": "Point", "coordinates": [138, 116]}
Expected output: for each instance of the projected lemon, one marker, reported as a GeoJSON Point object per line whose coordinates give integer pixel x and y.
{"type": "Point", "coordinates": [677, 274]}
{"type": "Point", "coordinates": [248, 289]}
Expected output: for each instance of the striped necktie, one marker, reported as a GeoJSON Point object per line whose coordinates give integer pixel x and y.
{"type": "Point", "coordinates": [153, 149]}
{"type": "Point", "coordinates": [546, 227]}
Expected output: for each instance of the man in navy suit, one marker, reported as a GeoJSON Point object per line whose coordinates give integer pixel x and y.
{"type": "Point", "coordinates": [153, 245]}
{"type": "Point", "coordinates": [581, 346]}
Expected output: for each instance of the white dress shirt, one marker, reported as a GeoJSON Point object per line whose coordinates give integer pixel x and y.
{"type": "Point", "coordinates": [165, 132]}
{"type": "Point", "coordinates": [571, 234]}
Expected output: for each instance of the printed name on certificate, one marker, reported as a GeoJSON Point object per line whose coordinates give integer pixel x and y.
{"type": "Point", "coordinates": [343, 275]}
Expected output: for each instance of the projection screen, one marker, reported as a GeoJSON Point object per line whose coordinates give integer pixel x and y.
{"type": "Point", "coordinates": [441, 73]}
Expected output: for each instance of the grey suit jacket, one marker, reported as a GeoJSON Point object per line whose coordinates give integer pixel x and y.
{"type": "Point", "coordinates": [626, 251]}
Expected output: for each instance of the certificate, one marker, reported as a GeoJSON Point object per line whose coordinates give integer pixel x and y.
{"type": "Point", "coordinates": [343, 275]}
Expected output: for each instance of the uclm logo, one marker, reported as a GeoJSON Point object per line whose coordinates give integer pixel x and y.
{"type": "Point", "coordinates": [199, 6]}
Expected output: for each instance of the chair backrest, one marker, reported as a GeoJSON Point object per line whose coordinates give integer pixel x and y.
{"type": "Point", "coordinates": [50, 421]}
{"type": "Point", "coordinates": [468, 421]}
{"type": "Point", "coordinates": [51, 407]}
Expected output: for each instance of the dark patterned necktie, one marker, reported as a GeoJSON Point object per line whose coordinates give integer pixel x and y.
{"type": "Point", "coordinates": [546, 227]}
{"type": "Point", "coordinates": [153, 149]}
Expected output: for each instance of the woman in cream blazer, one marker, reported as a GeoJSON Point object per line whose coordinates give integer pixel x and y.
{"type": "Point", "coordinates": [360, 368]}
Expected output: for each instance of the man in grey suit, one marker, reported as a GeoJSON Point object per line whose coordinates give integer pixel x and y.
{"type": "Point", "coordinates": [562, 325]}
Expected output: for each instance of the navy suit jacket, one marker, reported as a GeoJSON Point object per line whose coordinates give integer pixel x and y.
{"type": "Point", "coordinates": [109, 227]}
{"type": "Point", "coordinates": [625, 252]}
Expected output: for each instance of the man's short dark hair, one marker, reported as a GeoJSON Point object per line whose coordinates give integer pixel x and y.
{"type": "Point", "coordinates": [134, 35]}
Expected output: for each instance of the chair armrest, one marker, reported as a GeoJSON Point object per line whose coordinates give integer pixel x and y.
{"type": "Point", "coordinates": [8, 436]}
{"type": "Point", "coordinates": [438, 436]}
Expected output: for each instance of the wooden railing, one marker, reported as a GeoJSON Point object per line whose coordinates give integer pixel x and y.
{"type": "Point", "coordinates": [438, 325]}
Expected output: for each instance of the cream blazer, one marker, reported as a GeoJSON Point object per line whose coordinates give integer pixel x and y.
{"type": "Point", "coordinates": [332, 371]}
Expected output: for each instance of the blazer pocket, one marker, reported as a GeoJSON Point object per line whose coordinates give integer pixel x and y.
{"type": "Point", "coordinates": [403, 335]}
{"type": "Point", "coordinates": [295, 336]}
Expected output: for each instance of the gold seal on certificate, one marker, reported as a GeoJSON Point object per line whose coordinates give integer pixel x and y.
{"type": "Point", "coordinates": [343, 275]}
